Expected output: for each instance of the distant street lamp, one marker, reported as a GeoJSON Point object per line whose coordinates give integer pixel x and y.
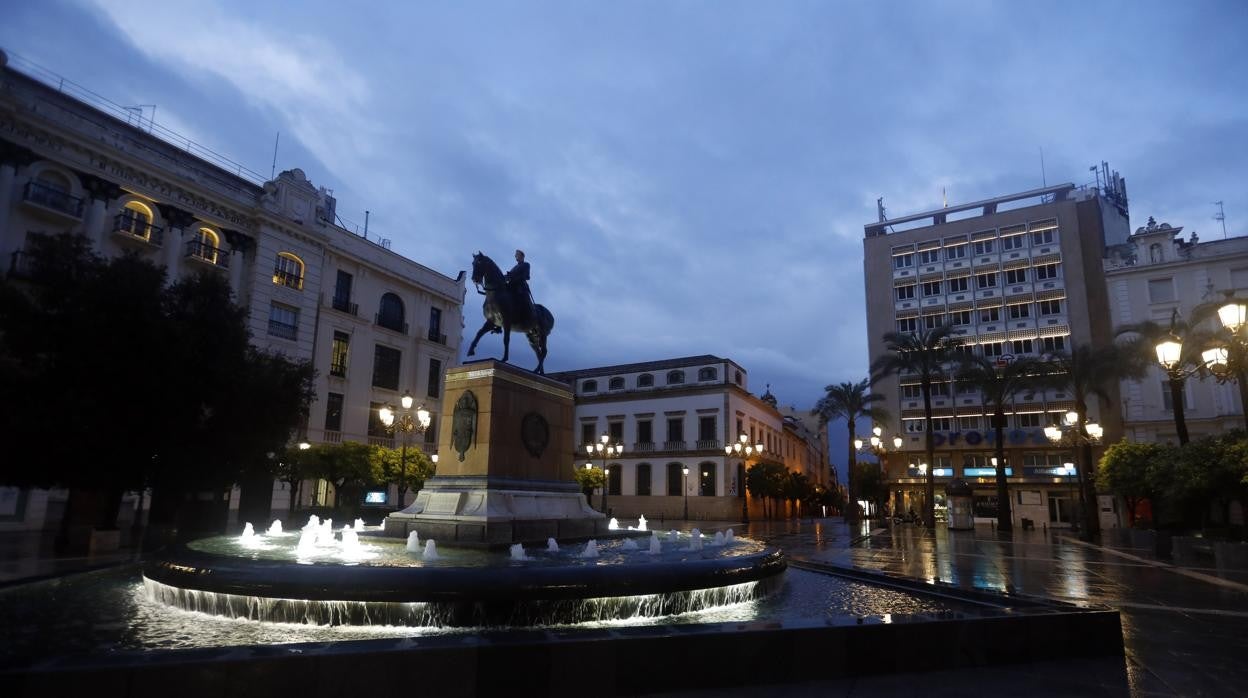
{"type": "Point", "coordinates": [743, 450]}
{"type": "Point", "coordinates": [685, 470]}
{"type": "Point", "coordinates": [1228, 358]}
{"type": "Point", "coordinates": [1078, 434]}
{"type": "Point", "coordinates": [875, 445]}
{"type": "Point", "coordinates": [605, 450]}
{"type": "Point", "coordinates": [406, 421]}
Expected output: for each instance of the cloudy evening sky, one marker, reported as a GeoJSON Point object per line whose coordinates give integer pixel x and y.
{"type": "Point", "coordinates": [687, 177]}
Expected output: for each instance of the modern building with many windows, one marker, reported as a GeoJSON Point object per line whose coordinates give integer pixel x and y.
{"type": "Point", "coordinates": [1158, 276]}
{"type": "Point", "coordinates": [674, 418]}
{"type": "Point", "coordinates": [1016, 275]}
{"type": "Point", "coordinates": [373, 323]}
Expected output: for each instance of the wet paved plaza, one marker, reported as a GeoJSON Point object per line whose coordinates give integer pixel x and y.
{"type": "Point", "coordinates": [1184, 628]}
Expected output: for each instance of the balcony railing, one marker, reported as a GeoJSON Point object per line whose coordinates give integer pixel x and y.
{"type": "Point", "coordinates": [434, 336]}
{"type": "Point", "coordinates": [332, 437]}
{"type": "Point", "coordinates": [709, 444]}
{"type": "Point", "coordinates": [643, 446]}
{"type": "Point", "coordinates": [338, 370]}
{"type": "Point", "coordinates": [390, 323]}
{"type": "Point", "coordinates": [345, 305]}
{"type": "Point", "coordinates": [386, 441]}
{"type": "Point", "coordinates": [138, 229]}
{"type": "Point", "coordinates": [288, 279]}
{"type": "Point", "coordinates": [283, 330]}
{"type": "Point", "coordinates": [19, 265]}
{"type": "Point", "coordinates": [198, 249]}
{"type": "Point", "coordinates": [673, 445]}
{"type": "Point", "coordinates": [52, 198]}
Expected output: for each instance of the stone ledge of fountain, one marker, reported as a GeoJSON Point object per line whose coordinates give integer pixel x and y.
{"type": "Point", "coordinates": [184, 568]}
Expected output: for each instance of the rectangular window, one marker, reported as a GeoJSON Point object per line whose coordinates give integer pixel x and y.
{"type": "Point", "coordinates": [1053, 345]}
{"type": "Point", "coordinates": [940, 390]}
{"type": "Point", "coordinates": [386, 361]}
{"type": "Point", "coordinates": [1042, 237]}
{"type": "Point", "coordinates": [990, 314]}
{"type": "Point", "coordinates": [342, 291]}
{"type": "Point", "coordinates": [1020, 310]}
{"type": "Point", "coordinates": [435, 326]}
{"type": "Point", "coordinates": [959, 318]}
{"type": "Point", "coordinates": [431, 433]}
{"type": "Point", "coordinates": [616, 431]}
{"type": "Point", "coordinates": [904, 293]}
{"type": "Point", "coordinates": [968, 423]}
{"type": "Point", "coordinates": [929, 256]}
{"type": "Point", "coordinates": [909, 324]}
{"type": "Point", "coordinates": [984, 247]}
{"type": "Point", "coordinates": [1015, 276]}
{"type": "Point", "coordinates": [955, 252]}
{"type": "Point", "coordinates": [986, 280]}
{"type": "Point", "coordinates": [1021, 346]}
{"type": "Point", "coordinates": [676, 429]}
{"type": "Point", "coordinates": [960, 284]}
{"type": "Point", "coordinates": [912, 392]}
{"type": "Point", "coordinates": [333, 412]}
{"type": "Point", "coordinates": [1160, 290]}
{"type": "Point", "coordinates": [706, 428]}
{"type": "Point", "coordinates": [1030, 420]}
{"type": "Point", "coordinates": [338, 354]}
{"type": "Point", "coordinates": [931, 322]}
{"type": "Point", "coordinates": [283, 321]}
{"type": "Point", "coordinates": [645, 431]}
{"type": "Point", "coordinates": [435, 378]}
{"type": "Point", "coordinates": [941, 424]}
{"type": "Point", "coordinates": [931, 288]}
{"type": "Point", "coordinates": [992, 349]}
{"type": "Point", "coordinates": [1053, 307]}
{"type": "Point", "coordinates": [375, 426]}
{"type": "Point", "coordinates": [587, 433]}
{"type": "Point", "coordinates": [1013, 242]}
{"type": "Point", "coordinates": [287, 271]}
{"type": "Point", "coordinates": [1167, 403]}
{"type": "Point", "coordinates": [902, 261]}
{"type": "Point", "coordinates": [1047, 271]}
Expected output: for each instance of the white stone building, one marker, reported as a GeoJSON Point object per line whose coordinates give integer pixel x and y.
{"type": "Point", "coordinates": [374, 323]}
{"type": "Point", "coordinates": [676, 414]}
{"type": "Point", "coordinates": [1156, 274]}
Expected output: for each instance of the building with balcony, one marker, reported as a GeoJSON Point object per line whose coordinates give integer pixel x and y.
{"type": "Point", "coordinates": [1155, 275]}
{"type": "Point", "coordinates": [680, 413]}
{"type": "Point", "coordinates": [373, 323]}
{"type": "Point", "coordinates": [1016, 275]}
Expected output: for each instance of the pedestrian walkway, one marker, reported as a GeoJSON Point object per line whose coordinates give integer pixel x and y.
{"type": "Point", "coordinates": [1183, 628]}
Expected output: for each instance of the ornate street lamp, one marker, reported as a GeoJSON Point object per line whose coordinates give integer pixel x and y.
{"type": "Point", "coordinates": [875, 445]}
{"type": "Point", "coordinates": [405, 420]}
{"type": "Point", "coordinates": [1170, 356]}
{"type": "Point", "coordinates": [685, 470]}
{"type": "Point", "coordinates": [605, 450]}
{"type": "Point", "coordinates": [1227, 360]}
{"type": "Point", "coordinates": [743, 450]}
{"type": "Point", "coordinates": [1072, 432]}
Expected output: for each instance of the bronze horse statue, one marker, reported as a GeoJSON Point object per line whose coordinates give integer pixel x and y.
{"type": "Point", "coordinates": [504, 311]}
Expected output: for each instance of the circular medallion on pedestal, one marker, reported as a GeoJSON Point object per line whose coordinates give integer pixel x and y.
{"type": "Point", "coordinates": [534, 433]}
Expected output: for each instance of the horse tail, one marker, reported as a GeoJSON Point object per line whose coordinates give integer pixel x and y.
{"type": "Point", "coordinates": [545, 319]}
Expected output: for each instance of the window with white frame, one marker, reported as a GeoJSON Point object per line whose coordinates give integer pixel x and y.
{"type": "Point", "coordinates": [908, 324]}
{"type": "Point", "coordinates": [1051, 307]}
{"type": "Point", "coordinates": [1043, 237]}
{"type": "Point", "coordinates": [955, 252]}
{"type": "Point", "coordinates": [931, 322]}
{"type": "Point", "coordinates": [929, 256]}
{"type": "Point", "coordinates": [1020, 310]}
{"type": "Point", "coordinates": [902, 261]}
{"type": "Point", "coordinates": [1161, 290]}
{"type": "Point", "coordinates": [1052, 345]}
{"type": "Point", "coordinates": [986, 280]}
{"type": "Point", "coordinates": [1015, 276]}
{"type": "Point", "coordinates": [1021, 346]}
{"type": "Point", "coordinates": [992, 349]}
{"type": "Point", "coordinates": [990, 314]}
{"type": "Point", "coordinates": [904, 293]}
{"type": "Point", "coordinates": [1045, 272]}
{"type": "Point", "coordinates": [959, 318]}
{"type": "Point", "coordinates": [931, 288]}
{"type": "Point", "coordinates": [960, 285]}
{"type": "Point", "coordinates": [984, 247]}
{"type": "Point", "coordinates": [1013, 242]}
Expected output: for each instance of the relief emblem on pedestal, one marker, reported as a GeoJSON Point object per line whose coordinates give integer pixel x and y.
{"type": "Point", "coordinates": [464, 423]}
{"type": "Point", "coordinates": [534, 434]}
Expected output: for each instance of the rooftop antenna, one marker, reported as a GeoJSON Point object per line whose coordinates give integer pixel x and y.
{"type": "Point", "coordinates": [1097, 170]}
{"type": "Point", "coordinates": [1044, 182]}
{"type": "Point", "coordinates": [273, 169]}
{"type": "Point", "coordinates": [1220, 217]}
{"type": "Point", "coordinates": [138, 111]}
{"type": "Point", "coordinates": [879, 207]}
{"type": "Point", "coordinates": [944, 197]}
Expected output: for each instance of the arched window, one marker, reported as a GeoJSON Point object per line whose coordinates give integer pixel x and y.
{"type": "Point", "coordinates": [675, 377]}
{"type": "Point", "coordinates": [1154, 252]}
{"type": "Point", "coordinates": [706, 479]}
{"type": "Point", "coordinates": [52, 189]}
{"type": "Point", "coordinates": [643, 479]}
{"type": "Point", "coordinates": [390, 313]}
{"type": "Point", "coordinates": [675, 479]}
{"type": "Point", "coordinates": [135, 218]}
{"type": "Point", "coordinates": [645, 380]}
{"type": "Point", "coordinates": [614, 479]}
{"type": "Point", "coordinates": [589, 387]}
{"type": "Point", "coordinates": [205, 245]}
{"type": "Point", "coordinates": [288, 271]}
{"type": "Point", "coordinates": [54, 180]}
{"type": "Point", "coordinates": [616, 383]}
{"type": "Point", "coordinates": [707, 374]}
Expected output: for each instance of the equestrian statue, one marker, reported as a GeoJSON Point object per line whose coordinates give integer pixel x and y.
{"type": "Point", "coordinates": [509, 305]}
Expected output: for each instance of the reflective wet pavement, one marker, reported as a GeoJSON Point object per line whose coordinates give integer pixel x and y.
{"type": "Point", "coordinates": [1183, 627]}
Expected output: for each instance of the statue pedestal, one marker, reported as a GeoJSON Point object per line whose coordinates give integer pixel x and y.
{"type": "Point", "coordinates": [505, 464]}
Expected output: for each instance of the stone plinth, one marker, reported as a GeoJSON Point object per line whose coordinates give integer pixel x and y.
{"type": "Point", "coordinates": [505, 464]}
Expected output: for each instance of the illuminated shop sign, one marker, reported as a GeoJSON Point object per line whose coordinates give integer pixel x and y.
{"type": "Point", "coordinates": [1014, 437]}
{"type": "Point", "coordinates": [375, 497]}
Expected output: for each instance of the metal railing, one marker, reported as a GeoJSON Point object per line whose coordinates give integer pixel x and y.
{"type": "Point", "coordinates": [288, 279]}
{"type": "Point", "coordinates": [674, 445]}
{"type": "Point", "coordinates": [198, 249]}
{"type": "Point", "coordinates": [283, 330]}
{"type": "Point", "coordinates": [390, 323]}
{"type": "Point", "coordinates": [338, 370]}
{"type": "Point", "coordinates": [136, 227]}
{"type": "Point", "coordinates": [345, 305]}
{"type": "Point", "coordinates": [709, 444]}
{"type": "Point", "coordinates": [386, 441]}
{"type": "Point", "coordinates": [434, 336]}
{"type": "Point", "coordinates": [332, 437]}
{"type": "Point", "coordinates": [50, 197]}
{"type": "Point", "coordinates": [643, 446]}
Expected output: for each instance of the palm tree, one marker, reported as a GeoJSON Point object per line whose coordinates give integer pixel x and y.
{"type": "Point", "coordinates": [999, 385]}
{"type": "Point", "coordinates": [924, 354]}
{"type": "Point", "coordinates": [1090, 373]}
{"type": "Point", "coordinates": [1141, 348]}
{"type": "Point", "coordinates": [851, 402]}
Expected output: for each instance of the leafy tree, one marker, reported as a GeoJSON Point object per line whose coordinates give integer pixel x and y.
{"type": "Point", "coordinates": [925, 355]}
{"type": "Point", "coordinates": [765, 481]}
{"type": "Point", "coordinates": [1129, 470]}
{"type": "Point", "coordinates": [346, 465]}
{"type": "Point", "coordinates": [874, 486]}
{"type": "Point", "coordinates": [1210, 471]}
{"type": "Point", "coordinates": [999, 385]}
{"type": "Point", "coordinates": [851, 402]}
{"type": "Point", "coordinates": [589, 479]}
{"type": "Point", "coordinates": [407, 471]}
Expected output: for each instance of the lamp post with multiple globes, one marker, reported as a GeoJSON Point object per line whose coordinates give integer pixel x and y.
{"type": "Point", "coordinates": [875, 446]}
{"type": "Point", "coordinates": [1227, 358]}
{"type": "Point", "coordinates": [406, 420]}
{"type": "Point", "coordinates": [1079, 434]}
{"type": "Point", "coordinates": [605, 450]}
{"type": "Point", "coordinates": [743, 450]}
{"type": "Point", "coordinates": [685, 470]}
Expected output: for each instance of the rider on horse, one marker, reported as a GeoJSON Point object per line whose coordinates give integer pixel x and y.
{"type": "Point", "coordinates": [518, 282]}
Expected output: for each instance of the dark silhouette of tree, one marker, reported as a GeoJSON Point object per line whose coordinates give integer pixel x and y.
{"type": "Point", "coordinates": [851, 402]}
